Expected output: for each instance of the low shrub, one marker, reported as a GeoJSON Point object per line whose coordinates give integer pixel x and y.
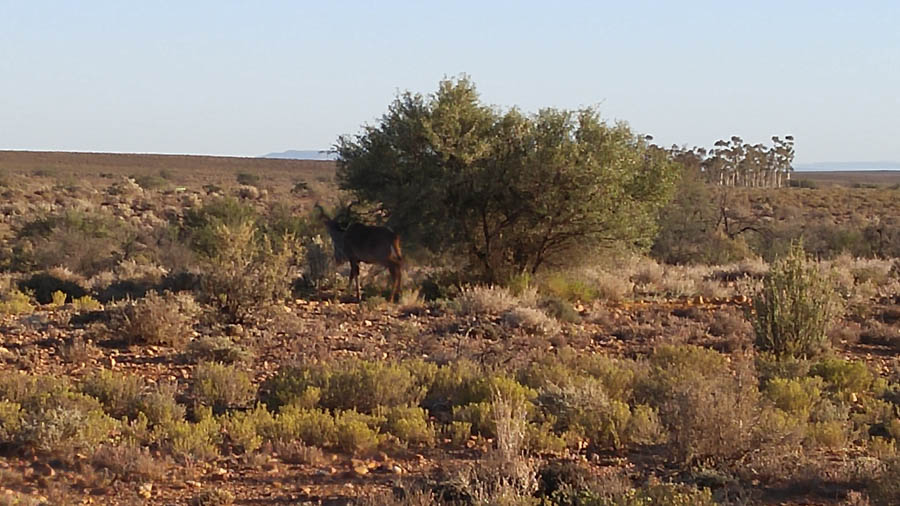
{"type": "Point", "coordinates": [357, 433]}
{"type": "Point", "coordinates": [245, 429]}
{"type": "Point", "coordinates": [708, 408]}
{"type": "Point", "coordinates": [351, 384]}
{"type": "Point", "coordinates": [247, 272]}
{"type": "Point", "coordinates": [795, 307]}
{"type": "Point", "coordinates": [218, 349]}
{"type": "Point", "coordinates": [120, 394]}
{"type": "Point", "coordinates": [191, 441]}
{"type": "Point", "coordinates": [221, 386]}
{"type": "Point", "coordinates": [159, 319]}
{"type": "Point", "coordinates": [485, 300]}
{"type": "Point", "coordinates": [409, 424]}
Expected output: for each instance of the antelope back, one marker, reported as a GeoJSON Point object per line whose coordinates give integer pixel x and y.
{"type": "Point", "coordinates": [378, 245]}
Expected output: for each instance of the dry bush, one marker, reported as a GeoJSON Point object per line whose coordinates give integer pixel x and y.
{"type": "Point", "coordinates": [77, 350]}
{"type": "Point", "coordinates": [140, 272]}
{"type": "Point", "coordinates": [213, 497]}
{"type": "Point", "coordinates": [612, 287]}
{"type": "Point", "coordinates": [884, 487]}
{"type": "Point", "coordinates": [531, 320]}
{"type": "Point", "coordinates": [318, 264]}
{"type": "Point", "coordinates": [218, 349]}
{"type": "Point", "coordinates": [130, 462]}
{"type": "Point", "coordinates": [160, 319]}
{"type": "Point", "coordinates": [485, 300]}
{"type": "Point", "coordinates": [710, 289]}
{"type": "Point", "coordinates": [647, 274]}
{"type": "Point", "coordinates": [680, 282]}
{"type": "Point", "coordinates": [708, 409]}
{"type": "Point", "coordinates": [875, 332]}
{"type": "Point", "coordinates": [298, 452]}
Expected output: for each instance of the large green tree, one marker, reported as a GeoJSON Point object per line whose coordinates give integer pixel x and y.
{"type": "Point", "coordinates": [504, 191]}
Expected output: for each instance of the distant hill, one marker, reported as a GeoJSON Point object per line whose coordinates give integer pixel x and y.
{"type": "Point", "coordinates": [832, 166]}
{"type": "Point", "coordinates": [295, 154]}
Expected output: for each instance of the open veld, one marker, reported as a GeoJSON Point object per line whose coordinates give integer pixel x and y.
{"type": "Point", "coordinates": [851, 177]}
{"type": "Point", "coordinates": [154, 351]}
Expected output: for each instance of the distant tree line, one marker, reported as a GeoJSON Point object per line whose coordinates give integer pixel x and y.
{"type": "Point", "coordinates": [737, 163]}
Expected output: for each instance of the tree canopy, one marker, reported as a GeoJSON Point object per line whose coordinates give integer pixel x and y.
{"type": "Point", "coordinates": [507, 192]}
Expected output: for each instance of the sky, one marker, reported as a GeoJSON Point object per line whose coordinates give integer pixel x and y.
{"type": "Point", "coordinates": [247, 78]}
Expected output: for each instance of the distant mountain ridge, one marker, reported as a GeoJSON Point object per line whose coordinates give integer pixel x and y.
{"type": "Point", "coordinates": [840, 166]}
{"type": "Point", "coordinates": [298, 154]}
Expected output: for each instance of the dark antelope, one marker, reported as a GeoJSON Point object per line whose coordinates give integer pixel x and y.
{"type": "Point", "coordinates": [365, 243]}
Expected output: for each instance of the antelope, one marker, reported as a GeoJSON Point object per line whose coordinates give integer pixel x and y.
{"type": "Point", "coordinates": [368, 244]}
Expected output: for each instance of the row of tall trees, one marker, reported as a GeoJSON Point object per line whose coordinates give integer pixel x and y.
{"type": "Point", "coordinates": [737, 163]}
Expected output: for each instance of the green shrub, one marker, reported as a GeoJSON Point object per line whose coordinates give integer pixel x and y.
{"type": "Point", "coordinates": [58, 298]}
{"type": "Point", "coordinates": [458, 431]}
{"type": "Point", "coordinates": [247, 272]}
{"type": "Point", "coordinates": [11, 417]}
{"type": "Point", "coordinates": [843, 376]}
{"type": "Point", "coordinates": [362, 385]}
{"type": "Point", "coordinates": [15, 302]}
{"type": "Point", "coordinates": [357, 433]}
{"type": "Point", "coordinates": [795, 307]}
{"type": "Point", "coordinates": [158, 405]}
{"type": "Point", "coordinates": [245, 429]}
{"type": "Point", "coordinates": [76, 425]}
{"type": "Point", "coordinates": [566, 288]}
{"type": "Point", "coordinates": [667, 494]}
{"type": "Point", "coordinates": [318, 263]}
{"type": "Point", "coordinates": [199, 225]}
{"type": "Point", "coordinates": [582, 406]}
{"type": "Point", "coordinates": [795, 396]}
{"type": "Point", "coordinates": [221, 386]}
{"type": "Point", "coordinates": [542, 438]}
{"type": "Point", "coordinates": [248, 178]}
{"type": "Point", "coordinates": [160, 319]}
{"type": "Point", "coordinates": [831, 434]}
{"type": "Point", "coordinates": [478, 416]}
{"type": "Point", "coordinates": [314, 427]}
{"type": "Point", "coordinates": [85, 242]}
{"type": "Point", "coordinates": [120, 394]}
{"type": "Point", "coordinates": [191, 441]}
{"type": "Point", "coordinates": [351, 384]}
{"type": "Point", "coordinates": [86, 303]}
{"type": "Point", "coordinates": [452, 384]}
{"type": "Point", "coordinates": [51, 416]}
{"type": "Point", "coordinates": [408, 424]}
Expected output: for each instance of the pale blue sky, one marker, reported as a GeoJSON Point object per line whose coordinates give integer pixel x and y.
{"type": "Point", "coordinates": [246, 78]}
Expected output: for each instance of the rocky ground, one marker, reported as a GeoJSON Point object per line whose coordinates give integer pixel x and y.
{"type": "Point", "coordinates": [62, 341]}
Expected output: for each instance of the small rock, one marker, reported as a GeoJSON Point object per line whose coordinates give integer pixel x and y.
{"type": "Point", "coordinates": [146, 490]}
